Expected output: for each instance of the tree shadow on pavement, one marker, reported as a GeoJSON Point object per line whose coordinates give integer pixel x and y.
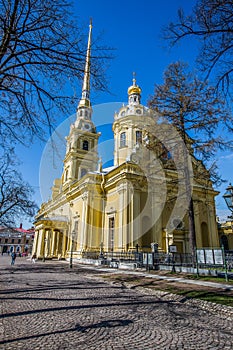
{"type": "Point", "coordinates": [78, 327]}
{"type": "Point", "coordinates": [87, 306]}
{"type": "Point", "coordinates": [104, 324]}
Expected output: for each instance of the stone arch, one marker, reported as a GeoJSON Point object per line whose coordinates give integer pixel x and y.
{"type": "Point", "coordinates": [85, 145]}
{"type": "Point", "coordinates": [146, 238]}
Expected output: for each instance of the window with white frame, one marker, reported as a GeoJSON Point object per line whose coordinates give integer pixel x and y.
{"type": "Point", "coordinates": [138, 136]}
{"type": "Point", "coordinates": [111, 233]}
{"type": "Point", "coordinates": [123, 139]}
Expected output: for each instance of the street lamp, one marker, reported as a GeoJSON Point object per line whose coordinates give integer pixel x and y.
{"type": "Point", "coordinates": [71, 250]}
{"type": "Point", "coordinates": [228, 196]}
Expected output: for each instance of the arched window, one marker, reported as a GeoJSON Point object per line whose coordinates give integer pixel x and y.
{"type": "Point", "coordinates": [205, 235]}
{"type": "Point", "coordinates": [123, 139]}
{"type": "Point", "coordinates": [85, 145]}
{"type": "Point", "coordinates": [83, 172]}
{"type": "Point", "coordinates": [111, 233]}
{"type": "Point", "coordinates": [146, 238]}
{"type": "Point", "coordinates": [66, 175]}
{"type": "Point", "coordinates": [138, 136]}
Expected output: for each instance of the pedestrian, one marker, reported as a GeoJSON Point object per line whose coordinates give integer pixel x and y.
{"type": "Point", "coordinates": [33, 258]}
{"type": "Point", "coordinates": [13, 257]}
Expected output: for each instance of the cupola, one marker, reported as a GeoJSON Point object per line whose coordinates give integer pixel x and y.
{"type": "Point", "coordinates": [134, 93]}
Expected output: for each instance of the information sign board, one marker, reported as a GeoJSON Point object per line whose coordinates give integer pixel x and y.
{"type": "Point", "coordinates": [209, 257]}
{"type": "Point", "coordinates": [145, 259]}
{"type": "Point", "coordinates": [172, 248]}
{"type": "Point", "coordinates": [200, 256]}
{"type": "Point", "coordinates": [218, 256]}
{"type": "Point", "coordinates": [150, 259]}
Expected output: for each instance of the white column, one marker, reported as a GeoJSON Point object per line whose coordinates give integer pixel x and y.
{"type": "Point", "coordinates": [41, 243]}
{"type": "Point", "coordinates": [64, 243]}
{"type": "Point", "coordinates": [136, 216]}
{"type": "Point", "coordinates": [83, 221]}
{"type": "Point", "coordinates": [53, 242]}
{"type": "Point", "coordinates": [35, 243]}
{"type": "Point", "coordinates": [123, 224]}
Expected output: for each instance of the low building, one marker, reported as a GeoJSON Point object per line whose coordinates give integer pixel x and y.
{"type": "Point", "coordinates": [225, 231]}
{"type": "Point", "coordinates": [16, 240]}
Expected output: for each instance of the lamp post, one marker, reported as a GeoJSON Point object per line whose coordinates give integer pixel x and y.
{"type": "Point", "coordinates": [228, 196]}
{"type": "Point", "coordinates": [71, 250]}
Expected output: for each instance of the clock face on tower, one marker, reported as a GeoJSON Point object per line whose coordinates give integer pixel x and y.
{"type": "Point", "coordinates": [87, 126]}
{"type": "Point", "coordinates": [135, 158]}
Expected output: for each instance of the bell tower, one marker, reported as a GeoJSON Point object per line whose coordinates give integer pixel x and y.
{"type": "Point", "coordinates": [128, 125]}
{"type": "Point", "coordinates": [81, 147]}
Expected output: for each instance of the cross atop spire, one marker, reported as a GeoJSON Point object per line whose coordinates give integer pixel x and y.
{"type": "Point", "coordinates": [85, 100]}
{"type": "Point", "coordinates": [134, 79]}
{"type": "Point", "coordinates": [134, 92]}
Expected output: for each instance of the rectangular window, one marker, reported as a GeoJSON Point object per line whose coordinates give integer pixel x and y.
{"type": "Point", "coordinates": [123, 139]}
{"type": "Point", "coordinates": [19, 240]}
{"type": "Point", "coordinates": [12, 241]}
{"type": "Point", "coordinates": [138, 136]}
{"type": "Point", "coordinates": [111, 233]}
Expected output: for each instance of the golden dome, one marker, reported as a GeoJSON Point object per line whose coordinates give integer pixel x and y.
{"type": "Point", "coordinates": [134, 89]}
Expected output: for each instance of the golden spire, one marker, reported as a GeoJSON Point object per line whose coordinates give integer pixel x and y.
{"type": "Point", "coordinates": [134, 89]}
{"type": "Point", "coordinates": [85, 100]}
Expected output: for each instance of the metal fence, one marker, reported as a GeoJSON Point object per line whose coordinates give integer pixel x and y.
{"type": "Point", "coordinates": [229, 259]}
{"type": "Point", "coordinates": [143, 259]}
{"type": "Point", "coordinates": [140, 258]}
{"type": "Point", "coordinates": [177, 259]}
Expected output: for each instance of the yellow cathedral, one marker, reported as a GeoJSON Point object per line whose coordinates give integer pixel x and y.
{"type": "Point", "coordinates": [137, 202]}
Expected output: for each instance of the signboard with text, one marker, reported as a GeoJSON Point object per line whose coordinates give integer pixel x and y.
{"type": "Point", "coordinates": [218, 257]}
{"type": "Point", "coordinates": [172, 249]}
{"type": "Point", "coordinates": [210, 256]}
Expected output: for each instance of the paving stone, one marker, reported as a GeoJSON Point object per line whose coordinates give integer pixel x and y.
{"type": "Point", "coordinates": [49, 306]}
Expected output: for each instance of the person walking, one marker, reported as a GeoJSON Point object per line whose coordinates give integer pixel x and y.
{"type": "Point", "coordinates": [13, 257]}
{"type": "Point", "coordinates": [33, 258]}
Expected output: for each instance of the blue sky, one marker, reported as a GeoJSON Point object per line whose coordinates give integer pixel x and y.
{"type": "Point", "coordinates": [133, 29]}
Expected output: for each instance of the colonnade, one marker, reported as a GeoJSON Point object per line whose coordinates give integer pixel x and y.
{"type": "Point", "coordinates": [51, 243]}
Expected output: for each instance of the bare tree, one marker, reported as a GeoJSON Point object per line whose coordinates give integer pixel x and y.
{"type": "Point", "coordinates": [212, 23]}
{"type": "Point", "coordinates": [199, 116]}
{"type": "Point", "coordinates": [15, 194]}
{"type": "Point", "coordinates": [42, 55]}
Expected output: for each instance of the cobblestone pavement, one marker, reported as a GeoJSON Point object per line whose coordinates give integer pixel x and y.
{"type": "Point", "coordinates": [49, 306]}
